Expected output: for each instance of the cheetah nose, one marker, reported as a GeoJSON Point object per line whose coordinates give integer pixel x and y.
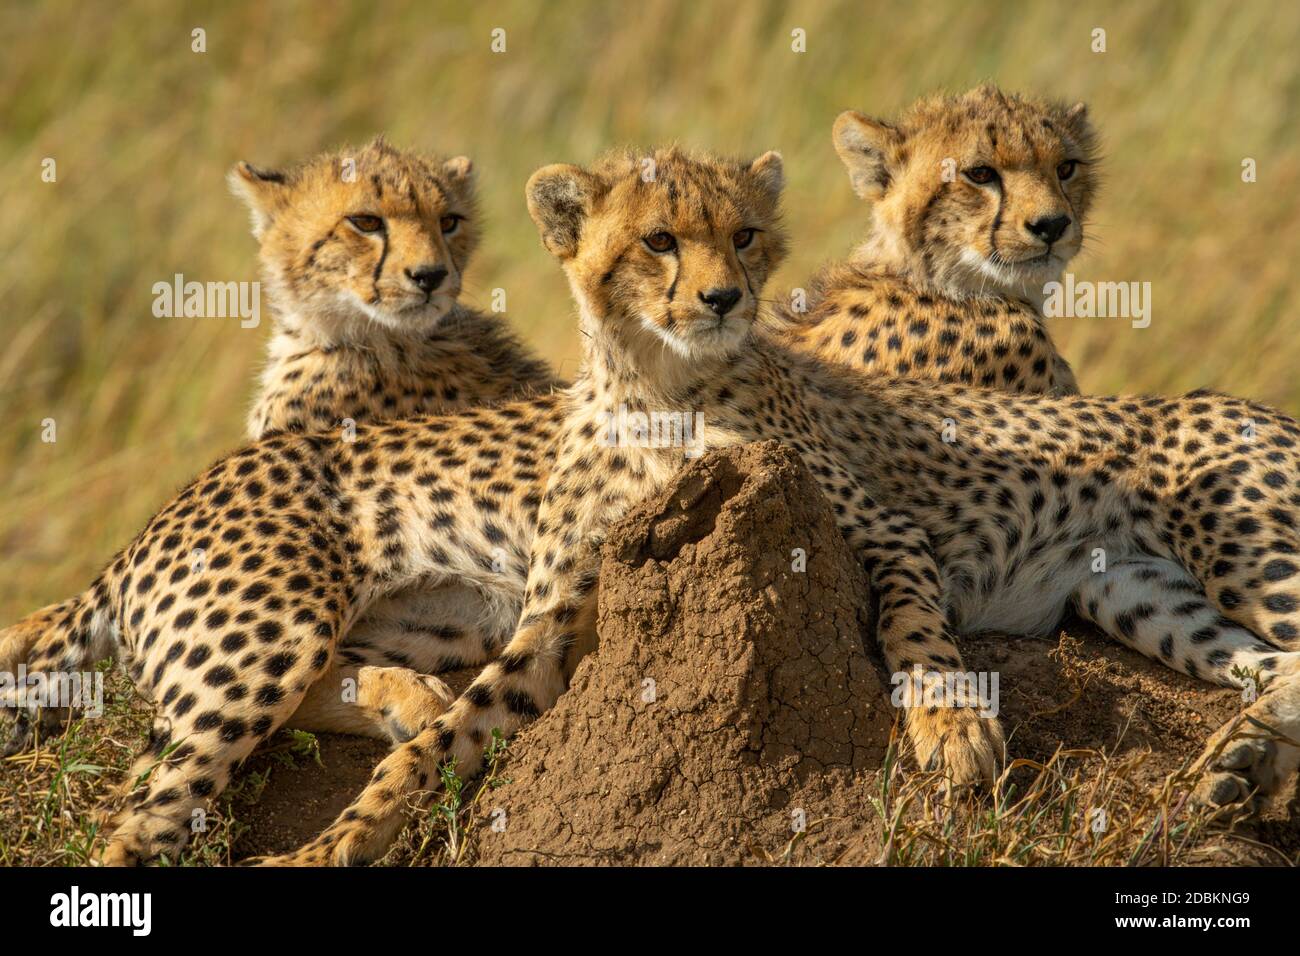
{"type": "Point", "coordinates": [1048, 228]}
{"type": "Point", "coordinates": [427, 278]}
{"type": "Point", "coordinates": [721, 300]}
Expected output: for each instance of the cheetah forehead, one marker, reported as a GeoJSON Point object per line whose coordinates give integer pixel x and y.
{"type": "Point", "coordinates": [387, 179]}
{"type": "Point", "coordinates": [685, 190]}
{"type": "Point", "coordinates": [1008, 128]}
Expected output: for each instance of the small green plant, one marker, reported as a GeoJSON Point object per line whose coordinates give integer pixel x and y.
{"type": "Point", "coordinates": [1254, 679]}
{"type": "Point", "coordinates": [301, 744]}
{"type": "Point", "coordinates": [452, 818]}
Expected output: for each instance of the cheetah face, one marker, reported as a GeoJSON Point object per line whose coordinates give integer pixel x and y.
{"type": "Point", "coordinates": [361, 243]}
{"type": "Point", "coordinates": [668, 249]}
{"type": "Point", "coordinates": [980, 193]}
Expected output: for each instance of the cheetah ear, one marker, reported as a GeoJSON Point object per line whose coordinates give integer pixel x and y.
{"type": "Point", "coordinates": [769, 170]}
{"type": "Point", "coordinates": [1077, 122]}
{"type": "Point", "coordinates": [460, 169]}
{"type": "Point", "coordinates": [866, 146]}
{"type": "Point", "coordinates": [560, 198]}
{"type": "Point", "coordinates": [263, 190]}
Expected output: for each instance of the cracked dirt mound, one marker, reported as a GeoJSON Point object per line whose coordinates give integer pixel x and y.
{"type": "Point", "coordinates": [730, 700]}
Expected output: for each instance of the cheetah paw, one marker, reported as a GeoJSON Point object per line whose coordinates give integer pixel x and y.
{"type": "Point", "coordinates": [1251, 756]}
{"type": "Point", "coordinates": [412, 702]}
{"type": "Point", "coordinates": [1238, 774]}
{"type": "Point", "coordinates": [325, 850]}
{"type": "Point", "coordinates": [121, 849]}
{"type": "Point", "coordinates": [957, 741]}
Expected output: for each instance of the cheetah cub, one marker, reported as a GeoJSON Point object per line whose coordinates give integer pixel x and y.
{"type": "Point", "coordinates": [363, 254]}
{"type": "Point", "coordinates": [978, 201]}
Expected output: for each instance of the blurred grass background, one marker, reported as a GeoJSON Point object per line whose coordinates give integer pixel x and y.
{"type": "Point", "coordinates": [143, 131]}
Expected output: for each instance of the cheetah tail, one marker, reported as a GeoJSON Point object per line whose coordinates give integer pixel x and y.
{"type": "Point", "coordinates": [64, 637]}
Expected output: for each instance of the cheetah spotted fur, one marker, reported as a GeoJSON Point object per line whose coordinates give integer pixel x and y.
{"type": "Point", "coordinates": [364, 252]}
{"type": "Point", "coordinates": [977, 200]}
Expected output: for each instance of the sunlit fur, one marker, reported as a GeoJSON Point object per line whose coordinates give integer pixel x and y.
{"type": "Point", "coordinates": [888, 310]}
{"type": "Point", "coordinates": [654, 299]}
{"type": "Point", "coordinates": [335, 283]}
{"type": "Point", "coordinates": [957, 236]}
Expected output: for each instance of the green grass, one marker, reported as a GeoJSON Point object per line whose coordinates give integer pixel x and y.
{"type": "Point", "coordinates": [1039, 814]}
{"type": "Point", "coordinates": [143, 131]}
{"type": "Point", "coordinates": [52, 797]}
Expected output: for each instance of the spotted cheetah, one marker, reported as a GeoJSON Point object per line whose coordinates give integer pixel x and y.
{"type": "Point", "coordinates": [972, 510]}
{"type": "Point", "coordinates": [302, 536]}
{"type": "Point", "coordinates": [978, 200]}
{"type": "Point", "coordinates": [989, 527]}
{"type": "Point", "coordinates": [363, 254]}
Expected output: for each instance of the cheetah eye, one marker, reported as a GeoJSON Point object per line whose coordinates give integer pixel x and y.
{"type": "Point", "coordinates": [449, 223]}
{"type": "Point", "coordinates": [981, 175]}
{"type": "Point", "coordinates": [1066, 169]}
{"type": "Point", "coordinates": [660, 242]}
{"type": "Point", "coordinates": [744, 238]}
{"type": "Point", "coordinates": [367, 223]}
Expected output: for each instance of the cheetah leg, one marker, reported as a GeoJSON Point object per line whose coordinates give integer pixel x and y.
{"type": "Point", "coordinates": [216, 709]}
{"type": "Point", "coordinates": [1156, 607]}
{"type": "Point", "coordinates": [387, 703]}
{"type": "Point", "coordinates": [516, 688]}
{"type": "Point", "coordinates": [1250, 569]}
{"type": "Point", "coordinates": [926, 666]}
{"type": "Point", "coordinates": [431, 630]}
{"type": "Point", "coordinates": [189, 761]}
{"type": "Point", "coordinates": [557, 622]}
{"type": "Point", "coordinates": [1253, 574]}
